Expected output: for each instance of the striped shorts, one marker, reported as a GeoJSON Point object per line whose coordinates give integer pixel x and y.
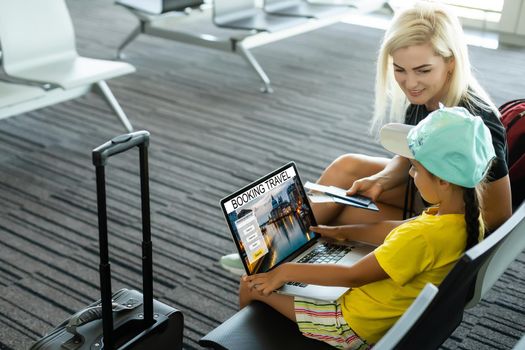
{"type": "Point", "coordinates": [324, 321]}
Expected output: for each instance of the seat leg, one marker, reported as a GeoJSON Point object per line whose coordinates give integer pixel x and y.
{"type": "Point", "coordinates": [105, 92]}
{"type": "Point", "coordinates": [247, 55]}
{"type": "Point", "coordinates": [139, 29]}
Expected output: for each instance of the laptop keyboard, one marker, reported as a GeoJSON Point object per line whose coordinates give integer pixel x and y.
{"type": "Point", "coordinates": [325, 253]}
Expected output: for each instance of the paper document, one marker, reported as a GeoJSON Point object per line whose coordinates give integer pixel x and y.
{"type": "Point", "coordinates": [338, 195]}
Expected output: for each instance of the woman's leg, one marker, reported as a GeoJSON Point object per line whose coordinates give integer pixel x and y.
{"type": "Point", "coordinates": [282, 303]}
{"type": "Point", "coordinates": [342, 173]}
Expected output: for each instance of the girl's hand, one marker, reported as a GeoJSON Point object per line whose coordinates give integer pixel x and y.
{"type": "Point", "coordinates": [264, 283]}
{"type": "Point", "coordinates": [331, 232]}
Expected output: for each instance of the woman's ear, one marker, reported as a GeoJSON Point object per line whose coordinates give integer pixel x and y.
{"type": "Point", "coordinates": [451, 65]}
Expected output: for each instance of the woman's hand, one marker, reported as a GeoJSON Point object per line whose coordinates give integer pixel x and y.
{"type": "Point", "coordinates": [370, 186]}
{"type": "Point", "coordinates": [395, 173]}
{"type": "Point", "coordinates": [265, 283]}
{"type": "Point", "coordinates": [330, 232]}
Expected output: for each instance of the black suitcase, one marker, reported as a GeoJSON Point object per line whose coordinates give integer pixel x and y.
{"type": "Point", "coordinates": [127, 319]}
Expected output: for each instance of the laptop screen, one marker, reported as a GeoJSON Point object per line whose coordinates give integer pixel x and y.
{"type": "Point", "coordinates": [269, 219]}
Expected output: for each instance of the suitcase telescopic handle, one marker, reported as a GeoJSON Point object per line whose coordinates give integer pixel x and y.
{"type": "Point", "coordinates": [118, 145]}
{"type": "Point", "coordinates": [100, 155]}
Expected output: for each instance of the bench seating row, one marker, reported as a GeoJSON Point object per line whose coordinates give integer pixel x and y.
{"type": "Point", "coordinates": [429, 321]}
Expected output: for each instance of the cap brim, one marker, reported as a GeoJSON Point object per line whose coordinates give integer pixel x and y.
{"type": "Point", "coordinates": [393, 137]}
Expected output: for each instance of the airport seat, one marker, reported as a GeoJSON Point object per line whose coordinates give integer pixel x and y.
{"type": "Point", "coordinates": [39, 52]}
{"type": "Point", "coordinates": [14, 94]}
{"type": "Point", "coordinates": [259, 327]}
{"type": "Point", "coordinates": [520, 345]}
{"type": "Point", "coordinates": [244, 14]}
{"type": "Point", "coordinates": [301, 8]}
{"type": "Point", "coordinates": [160, 6]}
{"type": "Point", "coordinates": [248, 328]}
{"type": "Point", "coordinates": [423, 328]}
{"type": "Point", "coordinates": [217, 27]}
{"type": "Point", "coordinates": [512, 237]}
{"type": "Point", "coordinates": [19, 98]}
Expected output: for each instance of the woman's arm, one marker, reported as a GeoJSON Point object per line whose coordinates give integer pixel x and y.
{"type": "Point", "coordinates": [366, 270]}
{"type": "Point", "coordinates": [368, 233]}
{"type": "Point", "coordinates": [497, 204]}
{"type": "Point", "coordinates": [394, 174]}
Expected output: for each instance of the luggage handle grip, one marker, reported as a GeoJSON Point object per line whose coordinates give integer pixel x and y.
{"type": "Point", "coordinates": [118, 145]}
{"type": "Point", "coordinates": [95, 313]}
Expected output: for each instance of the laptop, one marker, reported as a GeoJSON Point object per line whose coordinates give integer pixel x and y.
{"type": "Point", "coordinates": [269, 221]}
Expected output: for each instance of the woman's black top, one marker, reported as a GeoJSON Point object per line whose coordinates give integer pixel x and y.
{"type": "Point", "coordinates": [416, 113]}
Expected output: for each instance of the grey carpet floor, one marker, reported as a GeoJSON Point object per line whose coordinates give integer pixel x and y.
{"type": "Point", "coordinates": [212, 132]}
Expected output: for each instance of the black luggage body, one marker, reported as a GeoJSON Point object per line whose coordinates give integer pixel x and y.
{"type": "Point", "coordinates": [127, 319]}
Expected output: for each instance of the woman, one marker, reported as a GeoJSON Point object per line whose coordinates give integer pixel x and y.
{"type": "Point", "coordinates": [423, 61]}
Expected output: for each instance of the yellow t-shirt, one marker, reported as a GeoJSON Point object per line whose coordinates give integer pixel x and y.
{"type": "Point", "coordinates": [420, 251]}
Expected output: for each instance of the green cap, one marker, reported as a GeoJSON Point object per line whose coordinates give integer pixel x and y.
{"type": "Point", "coordinates": [450, 143]}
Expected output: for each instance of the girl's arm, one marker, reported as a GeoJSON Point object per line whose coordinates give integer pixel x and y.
{"type": "Point", "coordinates": [368, 233]}
{"type": "Point", "coordinates": [366, 270]}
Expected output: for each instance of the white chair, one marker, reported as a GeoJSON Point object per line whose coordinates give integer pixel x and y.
{"type": "Point", "coordinates": [199, 27]}
{"type": "Point", "coordinates": [12, 95]}
{"type": "Point", "coordinates": [512, 237]}
{"type": "Point", "coordinates": [38, 52]}
{"type": "Point", "coordinates": [301, 8]}
{"type": "Point", "coordinates": [157, 7]}
{"type": "Point", "coordinates": [243, 14]}
{"type": "Point", "coordinates": [520, 345]}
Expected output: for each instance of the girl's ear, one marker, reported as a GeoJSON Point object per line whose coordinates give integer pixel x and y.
{"type": "Point", "coordinates": [443, 183]}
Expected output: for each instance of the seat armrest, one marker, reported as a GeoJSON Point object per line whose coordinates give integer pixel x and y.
{"type": "Point", "coordinates": [259, 327]}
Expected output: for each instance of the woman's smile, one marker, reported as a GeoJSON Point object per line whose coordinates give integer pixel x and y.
{"type": "Point", "coordinates": [415, 93]}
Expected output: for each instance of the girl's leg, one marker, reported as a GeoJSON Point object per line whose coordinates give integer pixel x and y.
{"type": "Point", "coordinates": [342, 173]}
{"type": "Point", "coordinates": [282, 303]}
{"type": "Point", "coordinates": [321, 322]}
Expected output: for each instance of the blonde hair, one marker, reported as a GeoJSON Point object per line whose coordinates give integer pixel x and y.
{"type": "Point", "coordinates": [425, 23]}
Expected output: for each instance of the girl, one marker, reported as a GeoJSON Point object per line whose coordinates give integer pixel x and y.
{"type": "Point", "coordinates": [421, 250]}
